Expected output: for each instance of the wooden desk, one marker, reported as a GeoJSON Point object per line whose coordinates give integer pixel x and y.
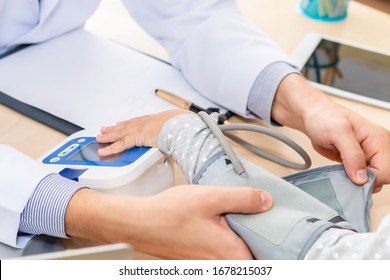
{"type": "Point", "coordinates": [281, 20]}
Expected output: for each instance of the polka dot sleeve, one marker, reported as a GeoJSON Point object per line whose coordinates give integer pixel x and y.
{"type": "Point", "coordinates": [345, 244]}
{"type": "Point", "coordinates": [191, 144]}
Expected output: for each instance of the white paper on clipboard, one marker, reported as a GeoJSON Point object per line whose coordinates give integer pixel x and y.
{"type": "Point", "coordinates": [92, 81]}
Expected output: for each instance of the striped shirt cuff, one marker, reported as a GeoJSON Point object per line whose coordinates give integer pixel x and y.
{"type": "Point", "coordinates": [45, 210]}
{"type": "Point", "coordinates": [263, 91]}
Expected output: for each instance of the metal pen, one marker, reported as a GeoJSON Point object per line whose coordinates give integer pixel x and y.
{"type": "Point", "coordinates": [188, 105]}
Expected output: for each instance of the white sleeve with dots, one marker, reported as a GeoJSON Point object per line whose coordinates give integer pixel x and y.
{"type": "Point", "coordinates": [345, 244]}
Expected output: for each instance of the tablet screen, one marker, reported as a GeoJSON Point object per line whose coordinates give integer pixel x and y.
{"type": "Point", "coordinates": [350, 69]}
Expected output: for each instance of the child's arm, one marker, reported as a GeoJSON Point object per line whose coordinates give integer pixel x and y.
{"type": "Point", "coordinates": [191, 138]}
{"type": "Point", "coordinates": [297, 219]}
{"type": "Point", "coordinates": [348, 245]}
{"type": "Point", "coordinates": [199, 154]}
{"type": "Point", "coordinates": [138, 132]}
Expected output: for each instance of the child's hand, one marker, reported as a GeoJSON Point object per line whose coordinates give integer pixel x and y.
{"type": "Point", "coordinates": [138, 132]}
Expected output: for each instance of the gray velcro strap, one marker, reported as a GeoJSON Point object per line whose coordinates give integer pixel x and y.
{"type": "Point", "coordinates": [296, 220]}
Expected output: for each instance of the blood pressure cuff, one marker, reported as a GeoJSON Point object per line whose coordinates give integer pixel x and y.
{"type": "Point", "coordinates": [305, 205]}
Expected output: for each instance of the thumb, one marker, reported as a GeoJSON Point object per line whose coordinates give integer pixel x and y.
{"type": "Point", "coordinates": [243, 200]}
{"type": "Point", "coordinates": [353, 158]}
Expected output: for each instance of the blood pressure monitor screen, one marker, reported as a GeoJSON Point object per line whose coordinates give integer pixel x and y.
{"type": "Point", "coordinates": [84, 151]}
{"type": "Point", "coordinates": [351, 69]}
{"type": "Point", "coordinates": [89, 153]}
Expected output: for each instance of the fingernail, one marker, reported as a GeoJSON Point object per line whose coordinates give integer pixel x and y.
{"type": "Point", "coordinates": [361, 175]}
{"type": "Point", "coordinates": [266, 200]}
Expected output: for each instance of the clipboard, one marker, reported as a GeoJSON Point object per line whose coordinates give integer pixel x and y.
{"type": "Point", "coordinates": [81, 80]}
{"type": "Point", "coordinates": [39, 115]}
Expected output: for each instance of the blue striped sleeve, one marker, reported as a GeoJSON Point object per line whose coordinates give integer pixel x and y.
{"type": "Point", "coordinates": [45, 210]}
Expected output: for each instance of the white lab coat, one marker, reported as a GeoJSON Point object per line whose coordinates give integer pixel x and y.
{"type": "Point", "coordinates": [217, 50]}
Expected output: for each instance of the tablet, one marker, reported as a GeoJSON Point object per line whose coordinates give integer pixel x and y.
{"type": "Point", "coordinates": [345, 69]}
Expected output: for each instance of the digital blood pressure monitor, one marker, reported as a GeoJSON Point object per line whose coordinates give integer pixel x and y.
{"type": "Point", "coordinates": [138, 171]}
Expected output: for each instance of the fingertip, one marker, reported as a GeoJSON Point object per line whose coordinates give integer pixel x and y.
{"type": "Point", "coordinates": [355, 168]}
{"type": "Point", "coordinates": [266, 200]}
{"type": "Point", "coordinates": [104, 151]}
{"type": "Point", "coordinates": [361, 176]}
{"type": "Point", "coordinates": [100, 138]}
{"type": "Point", "coordinates": [100, 152]}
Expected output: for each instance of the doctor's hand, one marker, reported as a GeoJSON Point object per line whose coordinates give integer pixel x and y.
{"type": "Point", "coordinates": [335, 132]}
{"type": "Point", "coordinates": [138, 132]}
{"type": "Point", "coordinates": [183, 222]}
